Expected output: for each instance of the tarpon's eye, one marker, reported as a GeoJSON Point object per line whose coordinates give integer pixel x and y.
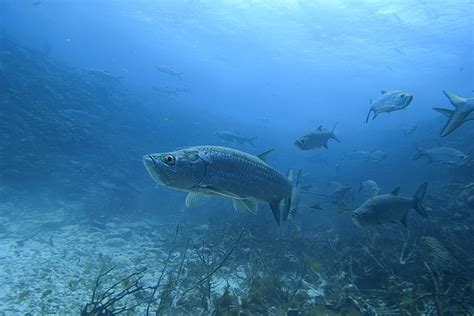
{"type": "Point", "coordinates": [169, 160]}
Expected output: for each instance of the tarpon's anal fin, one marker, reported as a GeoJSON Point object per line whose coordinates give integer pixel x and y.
{"type": "Point", "coordinates": [263, 156]}
{"type": "Point", "coordinates": [396, 191]}
{"type": "Point", "coordinates": [249, 205]}
{"type": "Point", "coordinates": [447, 112]}
{"type": "Point", "coordinates": [238, 205]}
{"type": "Point", "coordinates": [195, 199]}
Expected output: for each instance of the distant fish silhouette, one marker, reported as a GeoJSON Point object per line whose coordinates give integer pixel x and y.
{"type": "Point", "coordinates": [398, 50]}
{"type": "Point", "coordinates": [34, 4]}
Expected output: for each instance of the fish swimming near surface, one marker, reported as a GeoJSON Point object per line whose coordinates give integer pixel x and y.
{"type": "Point", "coordinates": [235, 137]}
{"type": "Point", "coordinates": [445, 155]}
{"type": "Point", "coordinates": [165, 91]}
{"type": "Point", "coordinates": [463, 107]}
{"type": "Point", "coordinates": [389, 208]}
{"type": "Point", "coordinates": [316, 139]}
{"type": "Point", "coordinates": [78, 116]}
{"type": "Point", "coordinates": [389, 102]}
{"type": "Point", "coordinates": [169, 71]}
{"type": "Point", "coordinates": [206, 171]}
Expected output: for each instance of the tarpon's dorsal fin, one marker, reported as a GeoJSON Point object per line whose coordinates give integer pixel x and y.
{"type": "Point", "coordinates": [263, 156]}
{"type": "Point", "coordinates": [320, 128]}
{"type": "Point", "coordinates": [249, 205]}
{"type": "Point", "coordinates": [447, 112]}
{"type": "Point", "coordinates": [195, 199]}
{"type": "Point", "coordinates": [455, 99]}
{"type": "Point", "coordinates": [396, 191]}
{"type": "Point", "coordinates": [383, 92]}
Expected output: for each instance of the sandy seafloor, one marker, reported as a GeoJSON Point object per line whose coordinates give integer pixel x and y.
{"type": "Point", "coordinates": [49, 260]}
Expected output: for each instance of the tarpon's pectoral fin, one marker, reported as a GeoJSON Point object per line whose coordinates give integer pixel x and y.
{"type": "Point", "coordinates": [447, 112]}
{"type": "Point", "coordinates": [382, 92]}
{"type": "Point", "coordinates": [320, 128]}
{"type": "Point", "coordinates": [275, 206]}
{"type": "Point", "coordinates": [195, 199]}
{"type": "Point", "coordinates": [396, 191]}
{"type": "Point", "coordinates": [263, 156]}
{"type": "Point", "coordinates": [245, 205]}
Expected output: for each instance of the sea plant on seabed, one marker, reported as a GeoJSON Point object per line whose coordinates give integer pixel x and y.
{"type": "Point", "coordinates": [111, 300]}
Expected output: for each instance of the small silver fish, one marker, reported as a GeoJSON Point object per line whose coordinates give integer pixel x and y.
{"type": "Point", "coordinates": [389, 102]}
{"type": "Point", "coordinates": [220, 171]}
{"type": "Point", "coordinates": [316, 139]}
{"type": "Point", "coordinates": [389, 208]}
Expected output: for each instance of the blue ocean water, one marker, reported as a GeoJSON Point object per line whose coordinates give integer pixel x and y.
{"type": "Point", "coordinates": [87, 88]}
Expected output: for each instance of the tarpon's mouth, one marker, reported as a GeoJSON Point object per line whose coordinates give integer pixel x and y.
{"type": "Point", "coordinates": [408, 100]}
{"type": "Point", "coordinates": [299, 144]}
{"type": "Point", "coordinates": [152, 168]}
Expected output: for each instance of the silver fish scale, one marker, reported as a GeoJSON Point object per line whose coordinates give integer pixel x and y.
{"type": "Point", "coordinates": [243, 175]}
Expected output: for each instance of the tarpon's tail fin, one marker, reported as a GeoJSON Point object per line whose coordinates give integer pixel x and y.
{"type": "Point", "coordinates": [420, 152]}
{"type": "Point", "coordinates": [455, 99]}
{"type": "Point", "coordinates": [250, 141]}
{"type": "Point", "coordinates": [446, 112]}
{"type": "Point", "coordinates": [368, 115]}
{"type": "Point", "coordinates": [333, 136]}
{"type": "Point", "coordinates": [292, 201]}
{"type": "Point", "coordinates": [418, 199]}
{"type": "Point", "coordinates": [179, 75]}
